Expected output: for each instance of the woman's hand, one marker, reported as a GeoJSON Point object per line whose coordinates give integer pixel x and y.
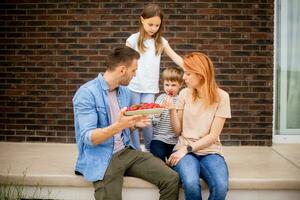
{"type": "Point", "coordinates": [176, 157]}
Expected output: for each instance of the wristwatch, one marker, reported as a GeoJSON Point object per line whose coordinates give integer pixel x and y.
{"type": "Point", "coordinates": [189, 148]}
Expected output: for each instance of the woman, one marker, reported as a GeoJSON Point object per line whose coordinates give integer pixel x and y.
{"type": "Point", "coordinates": [202, 109]}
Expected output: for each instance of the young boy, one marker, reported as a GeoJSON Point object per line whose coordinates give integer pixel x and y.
{"type": "Point", "coordinates": [164, 138]}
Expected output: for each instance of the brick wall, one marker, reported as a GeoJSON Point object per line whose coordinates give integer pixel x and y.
{"type": "Point", "coordinates": [48, 48]}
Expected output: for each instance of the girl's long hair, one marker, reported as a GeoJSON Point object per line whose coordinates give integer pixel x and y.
{"type": "Point", "coordinates": [202, 66]}
{"type": "Point", "coordinates": [151, 10]}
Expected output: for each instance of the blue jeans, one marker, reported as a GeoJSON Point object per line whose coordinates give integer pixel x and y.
{"type": "Point", "coordinates": [137, 98]}
{"type": "Point", "coordinates": [161, 149]}
{"type": "Point", "coordinates": [211, 168]}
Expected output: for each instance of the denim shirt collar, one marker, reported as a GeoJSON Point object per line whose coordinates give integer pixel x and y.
{"type": "Point", "coordinates": [104, 84]}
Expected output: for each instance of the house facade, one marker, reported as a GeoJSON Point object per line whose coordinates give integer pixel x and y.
{"type": "Point", "coordinates": [49, 48]}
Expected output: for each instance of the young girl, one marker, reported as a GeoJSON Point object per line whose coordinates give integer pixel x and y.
{"type": "Point", "coordinates": [202, 110]}
{"type": "Point", "coordinates": [150, 44]}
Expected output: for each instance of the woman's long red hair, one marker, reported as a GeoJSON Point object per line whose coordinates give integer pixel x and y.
{"type": "Point", "coordinates": [202, 66]}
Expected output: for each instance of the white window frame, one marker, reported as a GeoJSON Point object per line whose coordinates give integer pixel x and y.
{"type": "Point", "coordinates": [283, 135]}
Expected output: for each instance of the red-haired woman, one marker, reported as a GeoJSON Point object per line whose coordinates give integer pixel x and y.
{"type": "Point", "coordinates": [198, 120]}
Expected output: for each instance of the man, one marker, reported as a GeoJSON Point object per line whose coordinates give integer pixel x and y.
{"type": "Point", "coordinates": [105, 152]}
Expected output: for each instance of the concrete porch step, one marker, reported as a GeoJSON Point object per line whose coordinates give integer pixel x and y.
{"type": "Point", "coordinates": [255, 172]}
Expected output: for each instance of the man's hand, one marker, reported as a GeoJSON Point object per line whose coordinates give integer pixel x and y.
{"type": "Point", "coordinates": [143, 123]}
{"type": "Point", "coordinates": [100, 135]}
{"type": "Point", "coordinates": [140, 121]}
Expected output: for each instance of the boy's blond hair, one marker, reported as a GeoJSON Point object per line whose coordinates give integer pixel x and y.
{"type": "Point", "coordinates": [172, 74]}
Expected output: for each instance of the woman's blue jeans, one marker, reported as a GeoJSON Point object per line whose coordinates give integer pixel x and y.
{"type": "Point", "coordinates": [137, 98]}
{"type": "Point", "coordinates": [211, 168]}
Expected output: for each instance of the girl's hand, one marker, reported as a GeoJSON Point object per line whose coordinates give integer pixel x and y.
{"type": "Point", "coordinates": [176, 157]}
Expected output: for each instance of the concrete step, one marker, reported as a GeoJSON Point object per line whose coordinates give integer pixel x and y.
{"type": "Point", "coordinates": [255, 172]}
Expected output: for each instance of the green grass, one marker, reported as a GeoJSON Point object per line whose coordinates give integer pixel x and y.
{"type": "Point", "coordinates": [16, 191]}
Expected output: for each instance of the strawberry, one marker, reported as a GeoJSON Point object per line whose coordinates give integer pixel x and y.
{"type": "Point", "coordinates": [143, 106]}
{"type": "Point", "coordinates": [170, 93]}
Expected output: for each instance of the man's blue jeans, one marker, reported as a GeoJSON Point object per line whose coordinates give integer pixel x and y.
{"type": "Point", "coordinates": [137, 98]}
{"type": "Point", "coordinates": [211, 168]}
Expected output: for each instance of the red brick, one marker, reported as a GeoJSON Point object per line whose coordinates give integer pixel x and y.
{"type": "Point", "coordinates": [48, 49]}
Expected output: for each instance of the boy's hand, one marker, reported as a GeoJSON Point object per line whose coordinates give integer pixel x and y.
{"type": "Point", "coordinates": [170, 93]}
{"type": "Point", "coordinates": [168, 102]}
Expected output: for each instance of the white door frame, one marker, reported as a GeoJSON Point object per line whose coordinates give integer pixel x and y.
{"type": "Point", "coordinates": [283, 135]}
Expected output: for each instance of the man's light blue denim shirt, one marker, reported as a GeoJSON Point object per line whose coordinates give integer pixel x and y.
{"type": "Point", "coordinates": [91, 111]}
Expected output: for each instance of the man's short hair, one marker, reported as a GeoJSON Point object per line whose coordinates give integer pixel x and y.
{"type": "Point", "coordinates": [172, 74]}
{"type": "Point", "coordinates": [121, 56]}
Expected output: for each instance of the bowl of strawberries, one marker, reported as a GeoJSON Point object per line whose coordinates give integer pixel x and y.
{"type": "Point", "coordinates": [144, 109]}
